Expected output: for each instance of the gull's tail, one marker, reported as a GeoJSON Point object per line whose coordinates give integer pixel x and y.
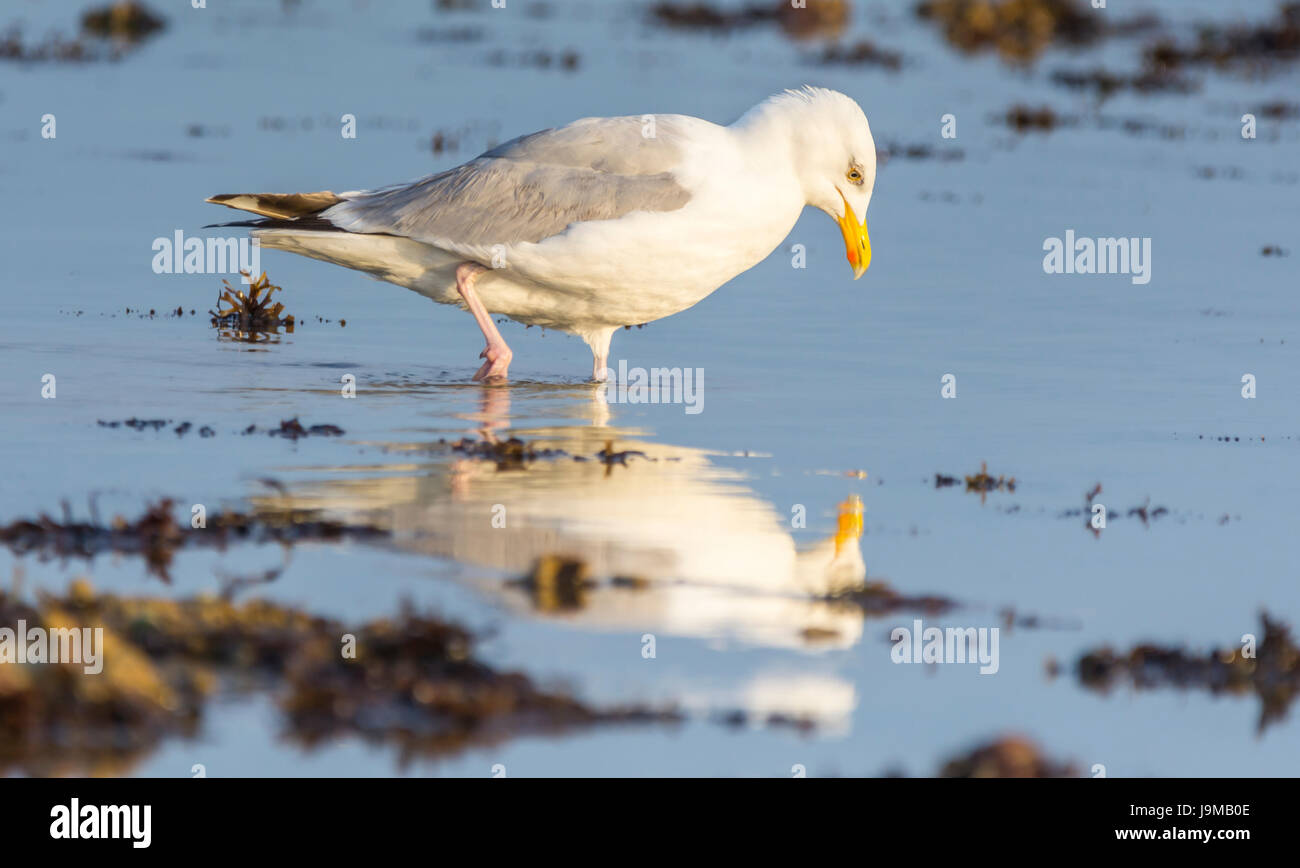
{"type": "Point", "coordinates": [296, 222]}
{"type": "Point", "coordinates": [279, 206]}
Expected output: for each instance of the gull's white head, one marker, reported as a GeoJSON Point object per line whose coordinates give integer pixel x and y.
{"type": "Point", "coordinates": [834, 156]}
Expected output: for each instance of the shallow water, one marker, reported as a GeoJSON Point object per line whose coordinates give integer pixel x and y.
{"type": "Point", "coordinates": [1063, 381]}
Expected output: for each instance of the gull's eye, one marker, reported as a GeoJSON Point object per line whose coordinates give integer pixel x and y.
{"type": "Point", "coordinates": [855, 175]}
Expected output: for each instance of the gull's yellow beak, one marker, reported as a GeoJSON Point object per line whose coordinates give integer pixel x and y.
{"type": "Point", "coordinates": [857, 245]}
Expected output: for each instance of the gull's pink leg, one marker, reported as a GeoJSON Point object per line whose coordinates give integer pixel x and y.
{"type": "Point", "coordinates": [599, 343]}
{"type": "Point", "coordinates": [498, 355]}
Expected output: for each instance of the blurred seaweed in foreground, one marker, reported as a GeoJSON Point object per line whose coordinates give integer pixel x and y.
{"type": "Point", "coordinates": [1271, 671]}
{"type": "Point", "coordinates": [1008, 757]}
{"type": "Point", "coordinates": [157, 536]}
{"type": "Point", "coordinates": [409, 681]}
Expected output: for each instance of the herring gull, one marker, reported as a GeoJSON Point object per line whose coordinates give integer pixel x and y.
{"type": "Point", "coordinates": [603, 223]}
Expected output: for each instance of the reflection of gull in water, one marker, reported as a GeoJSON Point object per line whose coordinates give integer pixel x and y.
{"type": "Point", "coordinates": [822, 698]}
{"type": "Point", "coordinates": [716, 560]}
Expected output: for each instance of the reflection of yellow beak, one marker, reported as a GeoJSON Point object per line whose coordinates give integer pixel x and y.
{"type": "Point", "coordinates": [850, 522]}
{"type": "Point", "coordinates": [857, 246]}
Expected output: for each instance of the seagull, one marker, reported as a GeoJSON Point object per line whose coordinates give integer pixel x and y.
{"type": "Point", "coordinates": [600, 224]}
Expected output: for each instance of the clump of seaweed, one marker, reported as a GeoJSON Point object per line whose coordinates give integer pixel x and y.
{"type": "Point", "coordinates": [568, 60]}
{"type": "Point", "coordinates": [511, 454]}
{"type": "Point", "coordinates": [256, 636]}
{"type": "Point", "coordinates": [981, 482]}
{"type": "Point", "coordinates": [703, 16]}
{"type": "Point", "coordinates": [515, 454]}
{"type": "Point", "coordinates": [410, 681]}
{"type": "Point", "coordinates": [1023, 118]}
{"type": "Point", "coordinates": [1271, 671]}
{"type": "Point", "coordinates": [558, 583]}
{"type": "Point", "coordinates": [1019, 30]}
{"type": "Point", "coordinates": [135, 424]}
{"type": "Point", "coordinates": [879, 598]}
{"type": "Point", "coordinates": [1279, 110]}
{"type": "Point", "coordinates": [1104, 82]}
{"type": "Point", "coordinates": [561, 583]}
{"type": "Point", "coordinates": [125, 20]}
{"type": "Point", "coordinates": [1011, 620]}
{"type": "Point", "coordinates": [157, 536]}
{"type": "Point", "coordinates": [740, 718]}
{"type": "Point", "coordinates": [107, 33]}
{"type": "Point", "coordinates": [812, 20]}
{"type": "Point", "coordinates": [414, 683]}
{"type": "Point", "coordinates": [816, 19]}
{"type": "Point", "coordinates": [252, 316]}
{"type": "Point", "coordinates": [56, 719]}
{"type": "Point", "coordinates": [864, 52]}
{"type": "Point", "coordinates": [1145, 512]}
{"type": "Point", "coordinates": [917, 151]}
{"type": "Point", "coordinates": [610, 457]}
{"type": "Point", "coordinates": [55, 48]}
{"type": "Point", "coordinates": [292, 429]}
{"type": "Point", "coordinates": [1007, 757]}
{"type": "Point", "coordinates": [1254, 47]}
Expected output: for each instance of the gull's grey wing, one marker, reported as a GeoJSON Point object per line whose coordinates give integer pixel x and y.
{"type": "Point", "coordinates": [530, 188]}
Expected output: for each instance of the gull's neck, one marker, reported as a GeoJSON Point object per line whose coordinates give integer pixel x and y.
{"type": "Point", "coordinates": [767, 129]}
{"type": "Point", "coordinates": [775, 136]}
